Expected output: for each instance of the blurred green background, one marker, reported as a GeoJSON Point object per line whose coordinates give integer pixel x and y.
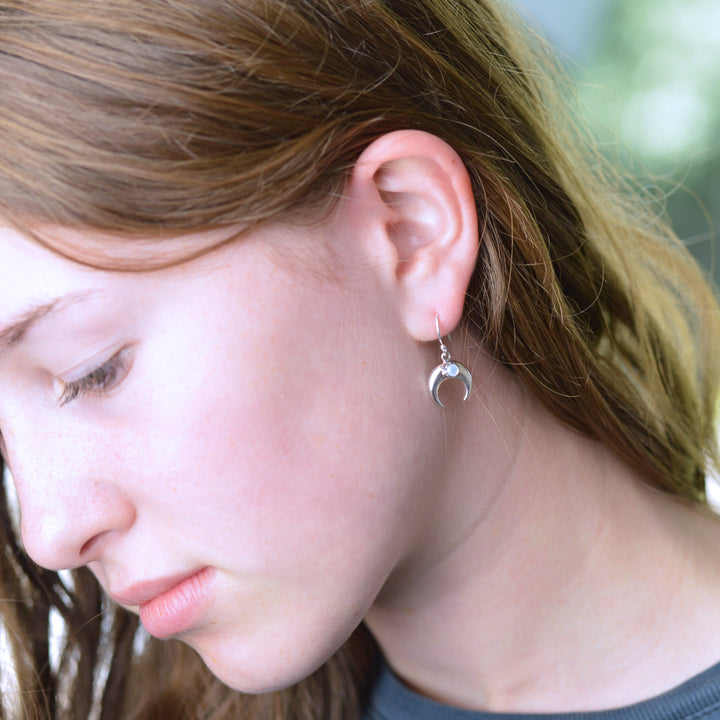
{"type": "Point", "coordinates": [648, 72]}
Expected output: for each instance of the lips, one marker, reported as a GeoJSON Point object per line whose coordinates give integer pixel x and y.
{"type": "Point", "coordinates": [171, 605]}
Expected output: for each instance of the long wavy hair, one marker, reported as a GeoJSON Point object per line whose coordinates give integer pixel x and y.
{"type": "Point", "coordinates": [153, 118]}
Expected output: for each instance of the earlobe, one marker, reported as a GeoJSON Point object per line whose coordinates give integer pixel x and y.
{"type": "Point", "coordinates": [424, 201]}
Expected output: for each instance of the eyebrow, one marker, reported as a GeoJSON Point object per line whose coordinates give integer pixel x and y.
{"type": "Point", "coordinates": [14, 333]}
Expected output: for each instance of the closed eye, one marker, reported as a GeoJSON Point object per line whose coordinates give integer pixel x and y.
{"type": "Point", "coordinates": [99, 381]}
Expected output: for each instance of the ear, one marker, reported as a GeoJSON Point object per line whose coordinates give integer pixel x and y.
{"type": "Point", "coordinates": [417, 205]}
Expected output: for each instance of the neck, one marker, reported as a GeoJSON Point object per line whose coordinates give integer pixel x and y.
{"type": "Point", "coordinates": [549, 577]}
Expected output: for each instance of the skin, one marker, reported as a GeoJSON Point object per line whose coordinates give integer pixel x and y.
{"type": "Point", "coordinates": [228, 444]}
{"type": "Point", "coordinates": [272, 424]}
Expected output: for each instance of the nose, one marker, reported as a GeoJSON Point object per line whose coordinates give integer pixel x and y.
{"type": "Point", "coordinates": [69, 512]}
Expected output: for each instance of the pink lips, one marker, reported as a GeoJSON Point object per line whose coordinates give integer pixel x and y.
{"type": "Point", "coordinates": [169, 606]}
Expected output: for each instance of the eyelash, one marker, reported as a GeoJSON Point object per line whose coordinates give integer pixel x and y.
{"type": "Point", "coordinates": [99, 381]}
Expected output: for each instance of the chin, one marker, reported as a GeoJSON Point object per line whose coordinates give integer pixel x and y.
{"type": "Point", "coordinates": [258, 670]}
{"type": "Point", "coordinates": [258, 680]}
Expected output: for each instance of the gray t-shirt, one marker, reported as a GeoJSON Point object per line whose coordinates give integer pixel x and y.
{"type": "Point", "coordinates": [696, 699]}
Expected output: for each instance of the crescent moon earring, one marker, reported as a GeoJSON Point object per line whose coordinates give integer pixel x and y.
{"type": "Point", "coordinates": [448, 368]}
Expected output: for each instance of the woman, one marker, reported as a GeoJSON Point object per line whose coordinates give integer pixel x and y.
{"type": "Point", "coordinates": [236, 238]}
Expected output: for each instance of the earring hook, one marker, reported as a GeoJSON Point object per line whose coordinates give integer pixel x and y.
{"type": "Point", "coordinates": [444, 353]}
{"type": "Point", "coordinates": [447, 369]}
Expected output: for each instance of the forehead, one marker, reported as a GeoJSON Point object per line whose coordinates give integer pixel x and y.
{"type": "Point", "coordinates": [26, 265]}
{"type": "Point", "coordinates": [32, 273]}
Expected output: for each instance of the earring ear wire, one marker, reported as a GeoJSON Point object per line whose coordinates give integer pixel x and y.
{"type": "Point", "coordinates": [448, 368]}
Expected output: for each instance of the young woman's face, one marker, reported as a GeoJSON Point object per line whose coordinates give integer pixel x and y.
{"type": "Point", "coordinates": [228, 444]}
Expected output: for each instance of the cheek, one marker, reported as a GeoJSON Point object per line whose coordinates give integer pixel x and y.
{"type": "Point", "coordinates": [305, 503]}
{"type": "Point", "coordinates": [298, 464]}
{"type": "Point", "coordinates": [302, 434]}
{"type": "Point", "coordinates": [308, 471]}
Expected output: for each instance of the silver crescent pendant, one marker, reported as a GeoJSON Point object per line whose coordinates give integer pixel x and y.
{"type": "Point", "coordinates": [447, 371]}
